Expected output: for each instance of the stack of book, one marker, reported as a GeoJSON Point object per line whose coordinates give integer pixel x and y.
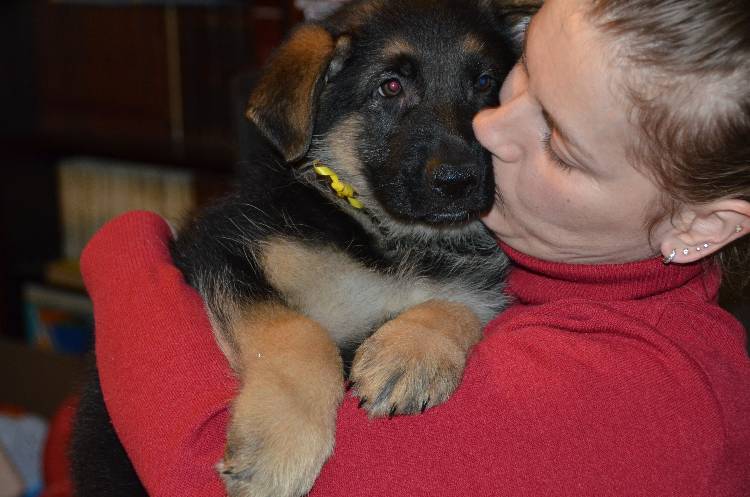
{"type": "Point", "coordinates": [58, 319]}
{"type": "Point", "coordinates": [93, 191]}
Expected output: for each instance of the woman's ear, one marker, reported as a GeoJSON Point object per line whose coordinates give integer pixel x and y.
{"type": "Point", "coordinates": [701, 230]}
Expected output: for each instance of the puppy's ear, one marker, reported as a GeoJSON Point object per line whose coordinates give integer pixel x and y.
{"type": "Point", "coordinates": [513, 17]}
{"type": "Point", "coordinates": [284, 100]}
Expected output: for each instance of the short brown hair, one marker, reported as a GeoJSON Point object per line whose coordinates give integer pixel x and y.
{"type": "Point", "coordinates": [688, 63]}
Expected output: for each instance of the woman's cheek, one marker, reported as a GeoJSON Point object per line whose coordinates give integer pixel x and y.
{"type": "Point", "coordinates": [546, 196]}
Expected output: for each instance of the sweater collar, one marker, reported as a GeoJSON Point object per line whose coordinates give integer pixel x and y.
{"type": "Point", "coordinates": [535, 281]}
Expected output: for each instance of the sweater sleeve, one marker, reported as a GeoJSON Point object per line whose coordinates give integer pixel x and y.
{"type": "Point", "coordinates": [605, 410]}
{"type": "Point", "coordinates": [165, 383]}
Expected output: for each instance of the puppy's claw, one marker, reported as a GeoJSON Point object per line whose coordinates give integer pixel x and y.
{"type": "Point", "coordinates": [274, 472]}
{"type": "Point", "coordinates": [397, 368]}
{"type": "Point", "coordinates": [277, 444]}
{"type": "Point", "coordinates": [229, 472]}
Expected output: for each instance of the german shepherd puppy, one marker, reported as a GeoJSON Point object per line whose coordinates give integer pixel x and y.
{"type": "Point", "coordinates": [359, 237]}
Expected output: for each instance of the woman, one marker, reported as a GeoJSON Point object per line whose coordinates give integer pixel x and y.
{"type": "Point", "coordinates": [623, 171]}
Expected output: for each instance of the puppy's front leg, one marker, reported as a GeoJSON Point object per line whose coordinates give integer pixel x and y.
{"type": "Point", "coordinates": [283, 420]}
{"type": "Point", "coordinates": [416, 360]}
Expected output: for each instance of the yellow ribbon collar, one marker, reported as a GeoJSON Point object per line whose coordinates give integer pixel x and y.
{"type": "Point", "coordinates": [343, 190]}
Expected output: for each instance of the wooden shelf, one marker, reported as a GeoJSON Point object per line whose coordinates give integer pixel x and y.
{"type": "Point", "coordinates": [147, 82]}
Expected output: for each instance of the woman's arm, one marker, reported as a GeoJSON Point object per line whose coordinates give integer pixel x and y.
{"type": "Point", "coordinates": [165, 383]}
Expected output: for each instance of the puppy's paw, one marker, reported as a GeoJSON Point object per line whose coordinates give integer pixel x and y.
{"type": "Point", "coordinates": [405, 368]}
{"type": "Point", "coordinates": [276, 446]}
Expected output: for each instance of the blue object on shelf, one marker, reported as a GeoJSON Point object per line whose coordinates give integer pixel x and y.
{"type": "Point", "coordinates": [71, 338]}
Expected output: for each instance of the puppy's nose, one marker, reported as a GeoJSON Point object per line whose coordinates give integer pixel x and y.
{"type": "Point", "coordinates": [454, 181]}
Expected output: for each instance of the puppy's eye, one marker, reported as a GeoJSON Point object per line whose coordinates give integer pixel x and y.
{"type": "Point", "coordinates": [484, 82]}
{"type": "Point", "coordinates": [390, 88]}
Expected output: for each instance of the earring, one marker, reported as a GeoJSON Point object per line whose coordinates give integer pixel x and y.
{"type": "Point", "coordinates": [670, 257]}
{"type": "Point", "coordinates": [738, 228]}
{"type": "Point", "coordinates": [704, 246]}
{"type": "Point", "coordinates": [685, 251]}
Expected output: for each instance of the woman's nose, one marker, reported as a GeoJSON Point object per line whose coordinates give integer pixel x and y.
{"type": "Point", "coordinates": [487, 125]}
{"type": "Point", "coordinates": [501, 130]}
{"type": "Point", "coordinates": [493, 132]}
{"type": "Point", "coordinates": [514, 85]}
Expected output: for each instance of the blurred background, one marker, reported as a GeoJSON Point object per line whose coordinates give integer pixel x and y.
{"type": "Point", "coordinates": [108, 106]}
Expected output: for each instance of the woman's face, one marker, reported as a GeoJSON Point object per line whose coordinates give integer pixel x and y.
{"type": "Point", "coordinates": [566, 189]}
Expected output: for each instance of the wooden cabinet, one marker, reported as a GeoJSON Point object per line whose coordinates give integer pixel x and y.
{"type": "Point", "coordinates": [149, 82]}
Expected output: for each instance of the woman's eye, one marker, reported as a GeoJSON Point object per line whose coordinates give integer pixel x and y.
{"type": "Point", "coordinates": [484, 82]}
{"type": "Point", "coordinates": [390, 88]}
{"type": "Point", "coordinates": [547, 146]}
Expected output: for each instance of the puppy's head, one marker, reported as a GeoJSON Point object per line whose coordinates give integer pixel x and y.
{"type": "Point", "coordinates": [384, 93]}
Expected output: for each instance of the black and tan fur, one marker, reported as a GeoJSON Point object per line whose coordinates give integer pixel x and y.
{"type": "Point", "coordinates": [294, 277]}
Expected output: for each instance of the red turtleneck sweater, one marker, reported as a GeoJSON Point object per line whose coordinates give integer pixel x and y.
{"type": "Point", "coordinates": [609, 380]}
